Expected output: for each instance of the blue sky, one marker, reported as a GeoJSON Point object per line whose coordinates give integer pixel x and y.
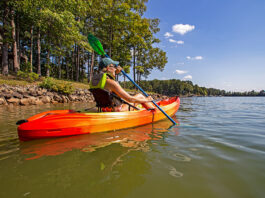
{"type": "Point", "coordinates": [213, 43]}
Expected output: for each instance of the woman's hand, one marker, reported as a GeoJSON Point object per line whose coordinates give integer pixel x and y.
{"type": "Point", "coordinates": [149, 99]}
{"type": "Point", "coordinates": [118, 70]}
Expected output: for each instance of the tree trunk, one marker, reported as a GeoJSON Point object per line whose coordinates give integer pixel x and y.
{"type": "Point", "coordinates": [16, 65]}
{"type": "Point", "coordinates": [124, 86]}
{"type": "Point", "coordinates": [134, 64]}
{"type": "Point", "coordinates": [110, 40]}
{"type": "Point", "coordinates": [67, 69]}
{"type": "Point", "coordinates": [48, 63]}
{"type": "Point", "coordinates": [18, 40]}
{"type": "Point", "coordinates": [5, 43]}
{"type": "Point", "coordinates": [88, 68]}
{"type": "Point", "coordinates": [77, 63]}
{"type": "Point", "coordinates": [39, 51]}
{"type": "Point", "coordinates": [73, 63]}
{"type": "Point", "coordinates": [60, 67]}
{"type": "Point", "coordinates": [91, 66]}
{"type": "Point", "coordinates": [31, 48]}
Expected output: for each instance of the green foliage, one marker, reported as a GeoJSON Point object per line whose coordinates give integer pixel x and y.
{"type": "Point", "coordinates": [28, 76]}
{"type": "Point", "coordinates": [61, 87]}
{"type": "Point", "coordinates": [25, 67]}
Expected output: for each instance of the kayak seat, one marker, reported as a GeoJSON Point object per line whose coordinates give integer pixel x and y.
{"type": "Point", "coordinates": [105, 99]}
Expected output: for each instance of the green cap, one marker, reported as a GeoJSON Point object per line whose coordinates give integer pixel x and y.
{"type": "Point", "coordinates": [106, 61]}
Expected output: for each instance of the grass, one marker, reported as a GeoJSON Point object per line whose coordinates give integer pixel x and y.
{"type": "Point", "coordinates": [13, 81]}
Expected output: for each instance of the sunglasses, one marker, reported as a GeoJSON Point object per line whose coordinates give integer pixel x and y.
{"type": "Point", "coordinates": [111, 65]}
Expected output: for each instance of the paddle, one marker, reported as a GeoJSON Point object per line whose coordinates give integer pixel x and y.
{"type": "Point", "coordinates": [98, 48]}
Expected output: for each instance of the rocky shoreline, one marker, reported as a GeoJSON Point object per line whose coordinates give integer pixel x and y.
{"type": "Point", "coordinates": [35, 95]}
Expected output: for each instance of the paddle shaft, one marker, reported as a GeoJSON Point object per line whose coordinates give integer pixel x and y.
{"type": "Point", "coordinates": [147, 95]}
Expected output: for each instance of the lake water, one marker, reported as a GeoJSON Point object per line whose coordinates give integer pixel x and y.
{"type": "Point", "coordinates": [217, 150]}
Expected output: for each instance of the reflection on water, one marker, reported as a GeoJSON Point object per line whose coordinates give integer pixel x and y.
{"type": "Point", "coordinates": [134, 138]}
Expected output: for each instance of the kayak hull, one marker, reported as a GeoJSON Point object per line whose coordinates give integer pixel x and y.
{"type": "Point", "coordinates": [61, 123]}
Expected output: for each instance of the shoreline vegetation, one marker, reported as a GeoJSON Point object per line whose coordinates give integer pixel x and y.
{"type": "Point", "coordinates": [25, 90]}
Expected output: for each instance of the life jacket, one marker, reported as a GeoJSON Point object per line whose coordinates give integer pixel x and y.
{"type": "Point", "coordinates": [105, 100]}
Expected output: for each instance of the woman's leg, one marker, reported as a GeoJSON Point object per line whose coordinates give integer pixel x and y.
{"type": "Point", "coordinates": [147, 105]}
{"type": "Point", "coordinates": [125, 107]}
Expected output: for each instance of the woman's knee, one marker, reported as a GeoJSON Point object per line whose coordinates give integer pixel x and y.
{"type": "Point", "coordinates": [139, 95]}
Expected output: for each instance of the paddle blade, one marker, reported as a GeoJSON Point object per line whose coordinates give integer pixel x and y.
{"type": "Point", "coordinates": [95, 44]}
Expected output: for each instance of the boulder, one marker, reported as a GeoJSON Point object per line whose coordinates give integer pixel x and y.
{"type": "Point", "coordinates": [65, 99]}
{"type": "Point", "coordinates": [45, 99]}
{"type": "Point", "coordinates": [82, 93]}
{"type": "Point", "coordinates": [25, 101]}
{"type": "Point", "coordinates": [2, 101]}
{"type": "Point", "coordinates": [14, 101]}
{"type": "Point", "coordinates": [38, 102]}
{"type": "Point", "coordinates": [72, 98]}
{"type": "Point", "coordinates": [6, 95]}
{"type": "Point", "coordinates": [17, 95]}
{"type": "Point", "coordinates": [54, 102]}
{"type": "Point", "coordinates": [57, 98]}
{"type": "Point", "coordinates": [32, 100]}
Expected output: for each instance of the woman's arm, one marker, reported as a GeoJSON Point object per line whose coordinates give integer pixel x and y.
{"type": "Point", "coordinates": [115, 87]}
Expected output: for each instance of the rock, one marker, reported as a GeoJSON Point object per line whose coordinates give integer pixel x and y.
{"type": "Point", "coordinates": [50, 94]}
{"type": "Point", "coordinates": [65, 99]}
{"type": "Point", "coordinates": [45, 99]}
{"type": "Point", "coordinates": [39, 93]}
{"type": "Point", "coordinates": [38, 102]}
{"type": "Point", "coordinates": [32, 100]}
{"type": "Point", "coordinates": [26, 95]}
{"type": "Point", "coordinates": [2, 101]}
{"type": "Point", "coordinates": [25, 101]}
{"type": "Point", "coordinates": [82, 93]}
{"type": "Point", "coordinates": [17, 95]}
{"type": "Point", "coordinates": [33, 93]}
{"type": "Point", "coordinates": [7, 95]}
{"type": "Point", "coordinates": [14, 101]}
{"type": "Point", "coordinates": [72, 97]}
{"type": "Point", "coordinates": [57, 98]}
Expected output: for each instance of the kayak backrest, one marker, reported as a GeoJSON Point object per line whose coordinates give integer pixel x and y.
{"type": "Point", "coordinates": [102, 97]}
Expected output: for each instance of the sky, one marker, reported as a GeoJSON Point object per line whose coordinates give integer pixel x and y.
{"type": "Point", "coordinates": [214, 43]}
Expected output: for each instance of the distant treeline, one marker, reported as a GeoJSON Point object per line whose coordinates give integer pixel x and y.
{"type": "Point", "coordinates": [177, 87]}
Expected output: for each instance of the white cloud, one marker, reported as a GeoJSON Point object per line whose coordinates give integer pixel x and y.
{"type": "Point", "coordinates": [181, 72]}
{"type": "Point", "coordinates": [188, 77]}
{"type": "Point", "coordinates": [194, 58]}
{"type": "Point", "coordinates": [198, 58]}
{"type": "Point", "coordinates": [182, 29]}
{"type": "Point", "coordinates": [180, 42]}
{"type": "Point", "coordinates": [167, 35]}
{"type": "Point", "coordinates": [174, 41]}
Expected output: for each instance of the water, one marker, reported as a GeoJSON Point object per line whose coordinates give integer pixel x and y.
{"type": "Point", "coordinates": [217, 150]}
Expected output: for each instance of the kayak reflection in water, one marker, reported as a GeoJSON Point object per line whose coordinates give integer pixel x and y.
{"type": "Point", "coordinates": [104, 81]}
{"type": "Point", "coordinates": [133, 139]}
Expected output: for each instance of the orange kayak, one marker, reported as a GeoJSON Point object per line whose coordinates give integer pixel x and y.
{"type": "Point", "coordinates": [61, 123]}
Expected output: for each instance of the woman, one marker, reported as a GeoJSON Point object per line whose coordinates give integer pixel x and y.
{"type": "Point", "coordinates": [108, 66]}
